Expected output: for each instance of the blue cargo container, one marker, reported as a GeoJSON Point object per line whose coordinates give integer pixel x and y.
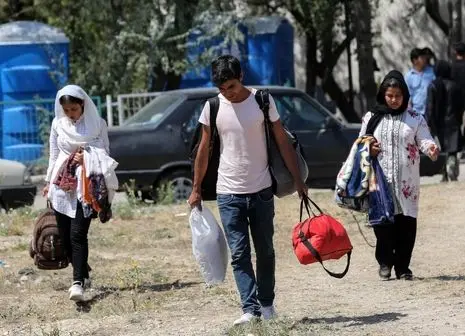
{"type": "Point", "coordinates": [266, 54]}
{"type": "Point", "coordinates": [33, 65]}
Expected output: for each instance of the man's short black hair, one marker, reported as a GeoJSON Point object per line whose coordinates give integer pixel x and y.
{"type": "Point", "coordinates": [415, 53]}
{"type": "Point", "coordinates": [460, 48]}
{"type": "Point", "coordinates": [225, 68]}
{"type": "Point", "coordinates": [427, 52]}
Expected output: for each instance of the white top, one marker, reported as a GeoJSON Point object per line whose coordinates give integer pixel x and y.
{"type": "Point", "coordinates": [243, 157]}
{"type": "Point", "coordinates": [60, 149]}
{"type": "Point", "coordinates": [401, 137]}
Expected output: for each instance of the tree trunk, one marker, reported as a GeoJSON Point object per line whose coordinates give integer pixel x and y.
{"type": "Point", "coordinates": [452, 27]}
{"type": "Point", "coordinates": [331, 87]}
{"type": "Point", "coordinates": [160, 80]}
{"type": "Point", "coordinates": [173, 81]}
{"type": "Point", "coordinates": [456, 22]}
{"type": "Point", "coordinates": [157, 79]}
{"type": "Point", "coordinates": [364, 37]}
{"type": "Point", "coordinates": [312, 64]}
{"type": "Point", "coordinates": [432, 8]}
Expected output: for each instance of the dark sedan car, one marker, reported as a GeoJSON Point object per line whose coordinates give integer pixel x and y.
{"type": "Point", "coordinates": [152, 147]}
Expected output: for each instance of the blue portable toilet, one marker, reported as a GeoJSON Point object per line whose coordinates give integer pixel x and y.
{"type": "Point", "coordinates": [266, 54]}
{"type": "Point", "coordinates": [270, 45]}
{"type": "Point", "coordinates": [33, 65]}
{"type": "Point", "coordinates": [200, 75]}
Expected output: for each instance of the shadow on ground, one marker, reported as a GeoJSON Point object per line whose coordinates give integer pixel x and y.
{"type": "Point", "coordinates": [353, 320]}
{"type": "Point", "coordinates": [151, 287]}
{"type": "Point", "coordinates": [105, 291]}
{"type": "Point", "coordinates": [443, 278]}
{"type": "Point", "coordinates": [86, 306]}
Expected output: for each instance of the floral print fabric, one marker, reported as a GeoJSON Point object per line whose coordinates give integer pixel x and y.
{"type": "Point", "coordinates": [401, 139]}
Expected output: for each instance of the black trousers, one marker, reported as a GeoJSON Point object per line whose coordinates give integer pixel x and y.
{"type": "Point", "coordinates": [395, 242]}
{"type": "Point", "coordinates": [73, 232]}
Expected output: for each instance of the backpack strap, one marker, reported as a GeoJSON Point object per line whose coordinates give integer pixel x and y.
{"type": "Point", "coordinates": [263, 100]}
{"type": "Point", "coordinates": [214, 103]}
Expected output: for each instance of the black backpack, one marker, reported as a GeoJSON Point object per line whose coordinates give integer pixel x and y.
{"type": "Point", "coordinates": [208, 188]}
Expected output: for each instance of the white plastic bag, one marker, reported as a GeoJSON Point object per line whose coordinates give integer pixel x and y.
{"type": "Point", "coordinates": [208, 245]}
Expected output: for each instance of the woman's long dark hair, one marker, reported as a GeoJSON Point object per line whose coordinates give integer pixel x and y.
{"type": "Point", "coordinates": [67, 99]}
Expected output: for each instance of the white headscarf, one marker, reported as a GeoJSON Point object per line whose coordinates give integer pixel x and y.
{"type": "Point", "coordinates": [91, 117]}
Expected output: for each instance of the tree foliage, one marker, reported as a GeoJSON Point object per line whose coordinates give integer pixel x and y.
{"type": "Point", "coordinates": [132, 45]}
{"type": "Point", "coordinates": [14, 10]}
{"type": "Point", "coordinates": [128, 45]}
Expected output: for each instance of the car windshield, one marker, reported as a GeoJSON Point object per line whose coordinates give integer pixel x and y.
{"type": "Point", "coordinates": [154, 111]}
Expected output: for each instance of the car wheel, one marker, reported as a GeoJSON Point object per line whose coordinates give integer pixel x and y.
{"type": "Point", "coordinates": [175, 186]}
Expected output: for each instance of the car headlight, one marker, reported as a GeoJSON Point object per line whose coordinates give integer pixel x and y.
{"type": "Point", "coordinates": [27, 177]}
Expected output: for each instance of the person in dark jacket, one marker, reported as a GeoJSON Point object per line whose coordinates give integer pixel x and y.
{"type": "Point", "coordinates": [444, 109]}
{"type": "Point", "coordinates": [458, 68]}
{"type": "Point", "coordinates": [458, 72]}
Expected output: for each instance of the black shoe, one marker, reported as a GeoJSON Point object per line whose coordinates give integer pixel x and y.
{"type": "Point", "coordinates": [406, 277]}
{"type": "Point", "coordinates": [384, 272]}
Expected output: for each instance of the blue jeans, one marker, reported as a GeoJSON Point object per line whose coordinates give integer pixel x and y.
{"type": "Point", "coordinates": [238, 212]}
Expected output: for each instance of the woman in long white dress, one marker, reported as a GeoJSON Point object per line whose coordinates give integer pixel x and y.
{"type": "Point", "coordinates": [76, 124]}
{"type": "Point", "coordinates": [401, 134]}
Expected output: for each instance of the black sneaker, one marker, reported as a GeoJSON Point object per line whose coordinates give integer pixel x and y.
{"type": "Point", "coordinates": [384, 272]}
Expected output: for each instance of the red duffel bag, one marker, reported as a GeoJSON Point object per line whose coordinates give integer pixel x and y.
{"type": "Point", "coordinates": [320, 237]}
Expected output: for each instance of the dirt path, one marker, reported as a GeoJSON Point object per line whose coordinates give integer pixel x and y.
{"type": "Point", "coordinates": [146, 282]}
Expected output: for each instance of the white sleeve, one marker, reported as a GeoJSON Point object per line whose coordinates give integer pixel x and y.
{"type": "Point", "coordinates": [54, 151]}
{"type": "Point", "coordinates": [205, 115]}
{"type": "Point", "coordinates": [423, 137]}
{"type": "Point", "coordinates": [274, 115]}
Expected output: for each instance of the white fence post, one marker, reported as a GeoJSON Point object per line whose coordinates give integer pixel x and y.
{"type": "Point", "coordinates": [127, 105]}
{"type": "Point", "coordinates": [120, 110]}
{"type": "Point", "coordinates": [109, 111]}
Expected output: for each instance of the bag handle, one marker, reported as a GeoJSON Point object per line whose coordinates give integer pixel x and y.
{"type": "Point", "coordinates": [308, 202]}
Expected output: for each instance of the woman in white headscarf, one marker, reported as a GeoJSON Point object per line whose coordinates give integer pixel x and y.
{"type": "Point", "coordinates": [76, 124]}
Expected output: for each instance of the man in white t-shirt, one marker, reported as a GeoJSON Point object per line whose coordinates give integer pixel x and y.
{"type": "Point", "coordinates": [244, 194]}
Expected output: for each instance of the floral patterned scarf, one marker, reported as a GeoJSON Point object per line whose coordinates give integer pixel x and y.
{"type": "Point", "coordinates": [66, 178]}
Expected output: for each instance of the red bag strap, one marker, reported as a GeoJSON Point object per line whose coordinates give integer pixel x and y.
{"type": "Point", "coordinates": [306, 200]}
